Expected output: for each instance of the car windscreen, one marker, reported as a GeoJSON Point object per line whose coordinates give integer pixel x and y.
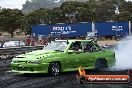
{"type": "Point", "coordinates": [56, 45]}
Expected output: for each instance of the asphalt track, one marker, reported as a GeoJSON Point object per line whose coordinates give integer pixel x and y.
{"type": "Point", "coordinates": [65, 80]}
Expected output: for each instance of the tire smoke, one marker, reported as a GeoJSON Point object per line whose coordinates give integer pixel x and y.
{"type": "Point", "coordinates": [123, 53]}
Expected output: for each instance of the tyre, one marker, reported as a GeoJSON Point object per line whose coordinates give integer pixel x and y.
{"type": "Point", "coordinates": [101, 64]}
{"type": "Point", "coordinates": [54, 69]}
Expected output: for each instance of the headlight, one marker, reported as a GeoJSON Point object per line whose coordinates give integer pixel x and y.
{"type": "Point", "coordinates": [34, 62]}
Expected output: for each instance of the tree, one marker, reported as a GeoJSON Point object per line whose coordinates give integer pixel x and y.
{"type": "Point", "coordinates": [10, 20]}
{"type": "Point", "coordinates": [57, 16]}
{"type": "Point", "coordinates": [123, 16]}
{"type": "Point", "coordinates": [32, 5]}
{"type": "Point", "coordinates": [69, 11]}
{"type": "Point", "coordinates": [41, 16]}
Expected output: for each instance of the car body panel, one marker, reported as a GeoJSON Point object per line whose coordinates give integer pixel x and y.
{"type": "Point", "coordinates": [39, 61]}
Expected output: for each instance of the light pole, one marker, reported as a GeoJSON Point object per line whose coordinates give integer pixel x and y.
{"type": "Point", "coordinates": [117, 12]}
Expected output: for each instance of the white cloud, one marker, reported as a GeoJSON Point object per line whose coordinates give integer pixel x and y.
{"type": "Point", "coordinates": [128, 0]}
{"type": "Point", "coordinates": [12, 3]}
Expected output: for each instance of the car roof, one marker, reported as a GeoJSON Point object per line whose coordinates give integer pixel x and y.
{"type": "Point", "coordinates": [74, 40]}
{"type": "Point", "coordinates": [80, 40]}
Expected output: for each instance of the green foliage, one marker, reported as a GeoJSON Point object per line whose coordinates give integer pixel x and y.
{"type": "Point", "coordinates": [92, 10]}
{"type": "Point", "coordinates": [43, 12]}
{"type": "Point", "coordinates": [10, 20]}
{"type": "Point", "coordinates": [40, 16]}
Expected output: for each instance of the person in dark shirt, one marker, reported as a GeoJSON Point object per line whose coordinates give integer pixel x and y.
{"type": "Point", "coordinates": [76, 48]}
{"type": "Point", "coordinates": [88, 48]}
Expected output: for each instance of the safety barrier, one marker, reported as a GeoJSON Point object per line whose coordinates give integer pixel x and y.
{"type": "Point", "coordinates": [13, 51]}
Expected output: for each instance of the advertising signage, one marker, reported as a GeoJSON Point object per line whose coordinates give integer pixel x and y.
{"type": "Point", "coordinates": [67, 30]}
{"type": "Point", "coordinates": [112, 28]}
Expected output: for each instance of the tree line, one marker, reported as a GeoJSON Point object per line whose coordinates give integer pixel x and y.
{"type": "Point", "coordinates": [67, 12]}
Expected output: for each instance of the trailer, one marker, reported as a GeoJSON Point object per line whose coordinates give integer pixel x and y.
{"type": "Point", "coordinates": [63, 30]}
{"type": "Point", "coordinates": [113, 28]}
{"type": "Point", "coordinates": [99, 29]}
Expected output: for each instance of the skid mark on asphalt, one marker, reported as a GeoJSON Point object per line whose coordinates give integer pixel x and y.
{"type": "Point", "coordinates": [66, 80]}
{"type": "Point", "coordinates": [7, 80]}
{"type": "Point", "coordinates": [34, 82]}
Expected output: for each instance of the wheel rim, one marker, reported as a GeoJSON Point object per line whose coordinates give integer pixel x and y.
{"type": "Point", "coordinates": [55, 69]}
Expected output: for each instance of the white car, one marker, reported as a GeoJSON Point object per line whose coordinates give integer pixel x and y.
{"type": "Point", "coordinates": [13, 43]}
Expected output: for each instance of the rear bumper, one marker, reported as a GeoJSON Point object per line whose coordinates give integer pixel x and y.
{"type": "Point", "coordinates": [29, 68]}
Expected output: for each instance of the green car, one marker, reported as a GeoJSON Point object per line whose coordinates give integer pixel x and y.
{"type": "Point", "coordinates": [62, 56]}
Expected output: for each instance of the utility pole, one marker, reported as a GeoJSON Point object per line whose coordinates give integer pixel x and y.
{"type": "Point", "coordinates": [117, 12]}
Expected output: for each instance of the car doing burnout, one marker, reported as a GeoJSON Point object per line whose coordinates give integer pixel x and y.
{"type": "Point", "coordinates": [62, 56]}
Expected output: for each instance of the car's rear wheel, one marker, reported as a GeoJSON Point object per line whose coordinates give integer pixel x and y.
{"type": "Point", "coordinates": [101, 64]}
{"type": "Point", "coordinates": [54, 68]}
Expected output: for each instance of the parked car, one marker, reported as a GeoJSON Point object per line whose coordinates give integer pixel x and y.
{"type": "Point", "coordinates": [62, 56]}
{"type": "Point", "coordinates": [13, 43]}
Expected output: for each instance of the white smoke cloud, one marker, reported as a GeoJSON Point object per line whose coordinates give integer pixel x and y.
{"type": "Point", "coordinates": [124, 54]}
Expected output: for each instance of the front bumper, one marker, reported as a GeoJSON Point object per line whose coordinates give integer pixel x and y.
{"type": "Point", "coordinates": [29, 68]}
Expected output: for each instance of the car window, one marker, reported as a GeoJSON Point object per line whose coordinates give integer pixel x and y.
{"type": "Point", "coordinates": [56, 45]}
{"type": "Point", "coordinates": [98, 48]}
{"type": "Point", "coordinates": [87, 47]}
{"type": "Point", "coordinates": [76, 46]}
{"type": "Point", "coordinates": [90, 47]}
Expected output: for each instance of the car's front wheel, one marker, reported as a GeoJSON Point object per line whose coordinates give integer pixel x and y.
{"type": "Point", "coordinates": [54, 68]}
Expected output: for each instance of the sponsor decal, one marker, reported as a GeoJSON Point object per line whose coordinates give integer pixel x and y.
{"type": "Point", "coordinates": [62, 30]}
{"type": "Point", "coordinates": [83, 78]}
{"type": "Point", "coordinates": [117, 28]}
{"type": "Point", "coordinates": [107, 78]}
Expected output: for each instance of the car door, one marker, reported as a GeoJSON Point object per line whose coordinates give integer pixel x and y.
{"type": "Point", "coordinates": [88, 56]}
{"type": "Point", "coordinates": [109, 56]}
{"type": "Point", "coordinates": [95, 53]}
{"type": "Point", "coordinates": [72, 58]}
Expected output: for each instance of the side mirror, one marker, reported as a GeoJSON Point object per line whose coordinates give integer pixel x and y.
{"type": "Point", "coordinates": [70, 51]}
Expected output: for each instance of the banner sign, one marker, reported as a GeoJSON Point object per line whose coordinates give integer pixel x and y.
{"type": "Point", "coordinates": [112, 28]}
{"type": "Point", "coordinates": [67, 30]}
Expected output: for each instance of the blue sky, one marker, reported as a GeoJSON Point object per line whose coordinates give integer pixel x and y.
{"type": "Point", "coordinates": [15, 3]}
